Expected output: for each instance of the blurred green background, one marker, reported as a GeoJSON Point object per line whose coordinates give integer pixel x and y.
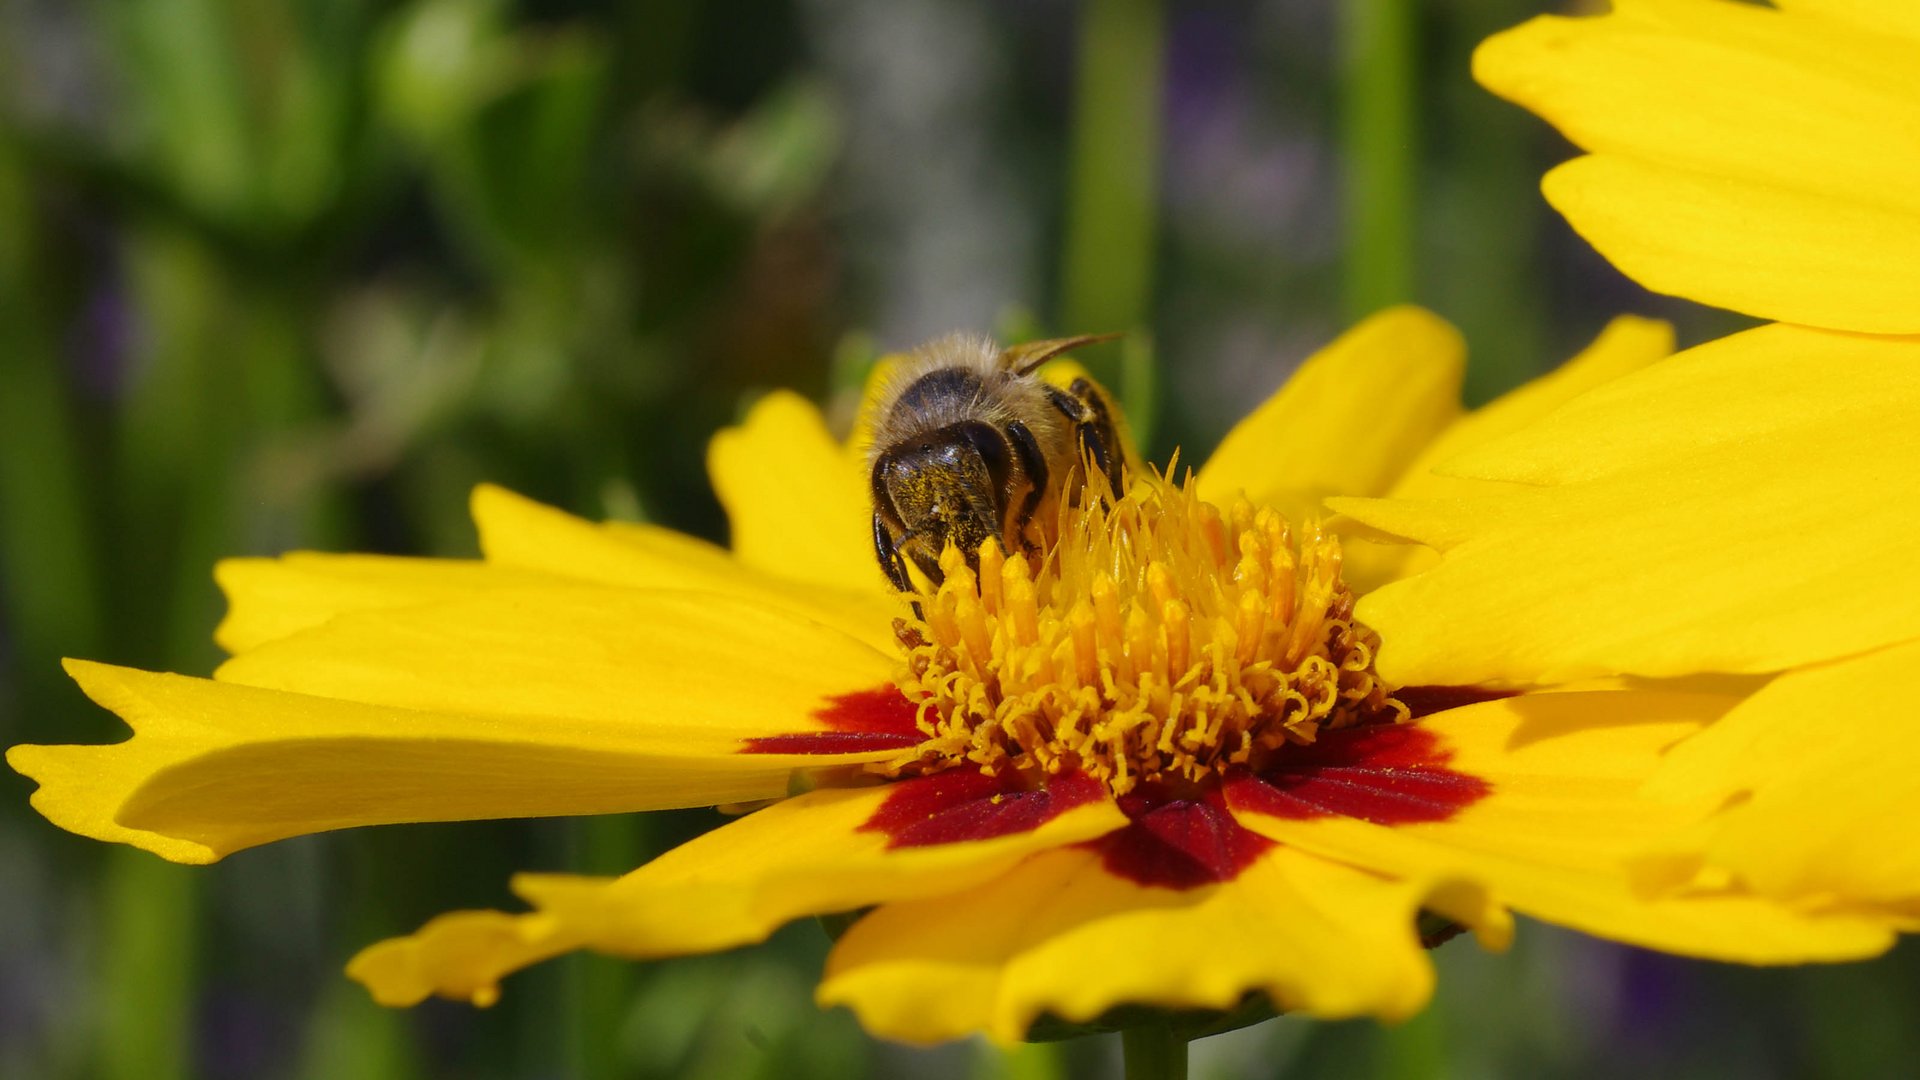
{"type": "Point", "coordinates": [298, 274]}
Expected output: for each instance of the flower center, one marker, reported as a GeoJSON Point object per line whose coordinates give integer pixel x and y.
{"type": "Point", "coordinates": [1157, 641]}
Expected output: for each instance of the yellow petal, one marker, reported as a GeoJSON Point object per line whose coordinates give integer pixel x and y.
{"type": "Point", "coordinates": [1061, 935]}
{"type": "Point", "coordinates": [810, 855]}
{"type": "Point", "coordinates": [269, 599]}
{"type": "Point", "coordinates": [1747, 158]}
{"type": "Point", "coordinates": [520, 534]}
{"type": "Point", "coordinates": [1765, 250]}
{"type": "Point", "coordinates": [460, 955]}
{"type": "Point", "coordinates": [525, 535]}
{"type": "Point", "coordinates": [1626, 345]}
{"type": "Point", "coordinates": [636, 657]}
{"type": "Point", "coordinates": [1826, 762]}
{"type": "Point", "coordinates": [1725, 89]}
{"type": "Point", "coordinates": [796, 498]}
{"type": "Point", "coordinates": [1555, 836]}
{"type": "Point", "coordinates": [1350, 420]}
{"type": "Point", "coordinates": [1882, 16]}
{"type": "Point", "coordinates": [1741, 507]}
{"type": "Point", "coordinates": [214, 767]}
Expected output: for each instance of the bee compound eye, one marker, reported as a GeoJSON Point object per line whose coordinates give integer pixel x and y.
{"type": "Point", "coordinates": [992, 448]}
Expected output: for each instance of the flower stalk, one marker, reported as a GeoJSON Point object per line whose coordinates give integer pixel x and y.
{"type": "Point", "coordinates": [1153, 1051]}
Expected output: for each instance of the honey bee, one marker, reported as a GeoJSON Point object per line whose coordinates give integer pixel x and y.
{"type": "Point", "coordinates": [968, 443]}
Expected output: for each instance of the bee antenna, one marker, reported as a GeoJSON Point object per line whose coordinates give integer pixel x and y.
{"type": "Point", "coordinates": [1022, 359]}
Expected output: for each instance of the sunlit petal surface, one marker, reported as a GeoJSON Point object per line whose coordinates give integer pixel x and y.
{"type": "Point", "coordinates": [1719, 511]}
{"type": "Point", "coordinates": [1565, 814]}
{"type": "Point", "coordinates": [1820, 772]}
{"type": "Point", "coordinates": [214, 767]}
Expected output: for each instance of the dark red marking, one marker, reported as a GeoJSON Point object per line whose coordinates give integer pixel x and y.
{"type": "Point", "coordinates": [1178, 843]}
{"type": "Point", "coordinates": [1389, 774]}
{"type": "Point", "coordinates": [961, 804]}
{"type": "Point", "coordinates": [1427, 700]}
{"type": "Point", "coordinates": [862, 721]}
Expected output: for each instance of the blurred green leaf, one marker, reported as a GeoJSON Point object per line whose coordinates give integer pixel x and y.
{"type": "Point", "coordinates": [48, 557]}
{"type": "Point", "coordinates": [247, 115]}
{"type": "Point", "coordinates": [504, 120]}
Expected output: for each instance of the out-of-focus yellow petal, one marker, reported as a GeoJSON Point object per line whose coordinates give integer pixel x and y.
{"type": "Point", "coordinates": [1628, 344]}
{"type": "Point", "coordinates": [520, 534]}
{"type": "Point", "coordinates": [1349, 421]}
{"type": "Point", "coordinates": [1061, 935]}
{"type": "Point", "coordinates": [1883, 16]}
{"type": "Point", "coordinates": [268, 599]}
{"type": "Point", "coordinates": [1726, 89]}
{"type": "Point", "coordinates": [796, 498]}
{"type": "Point", "coordinates": [806, 856]}
{"type": "Point", "coordinates": [1746, 157]}
{"type": "Point", "coordinates": [1745, 506]}
{"type": "Point", "coordinates": [1752, 247]}
{"type": "Point", "coordinates": [1555, 836]}
{"type": "Point", "coordinates": [1826, 764]}
{"type": "Point", "coordinates": [216, 767]}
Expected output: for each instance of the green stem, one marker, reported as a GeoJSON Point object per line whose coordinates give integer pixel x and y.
{"type": "Point", "coordinates": [1486, 187]}
{"type": "Point", "coordinates": [1153, 1052]}
{"type": "Point", "coordinates": [147, 998]}
{"type": "Point", "coordinates": [1377, 147]}
{"type": "Point", "coordinates": [599, 991]}
{"type": "Point", "coordinates": [1107, 276]}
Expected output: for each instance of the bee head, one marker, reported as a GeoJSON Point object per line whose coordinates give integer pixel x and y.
{"type": "Point", "coordinates": [946, 486]}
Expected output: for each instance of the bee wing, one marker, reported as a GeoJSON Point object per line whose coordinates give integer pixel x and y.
{"type": "Point", "coordinates": [1022, 359]}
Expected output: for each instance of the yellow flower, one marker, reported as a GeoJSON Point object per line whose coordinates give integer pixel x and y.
{"type": "Point", "coordinates": [1157, 768]}
{"type": "Point", "coordinates": [1754, 158]}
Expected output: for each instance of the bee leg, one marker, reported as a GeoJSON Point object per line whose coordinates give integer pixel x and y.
{"type": "Point", "coordinates": [928, 564]}
{"type": "Point", "coordinates": [1103, 433]}
{"type": "Point", "coordinates": [1088, 411]}
{"type": "Point", "coordinates": [1027, 448]}
{"type": "Point", "coordinates": [889, 555]}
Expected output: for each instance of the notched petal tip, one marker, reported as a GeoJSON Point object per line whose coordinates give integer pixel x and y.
{"type": "Point", "coordinates": [1469, 904]}
{"type": "Point", "coordinates": [461, 956]}
{"type": "Point", "coordinates": [1058, 936]}
{"type": "Point", "coordinates": [80, 790]}
{"type": "Point", "coordinates": [810, 855]}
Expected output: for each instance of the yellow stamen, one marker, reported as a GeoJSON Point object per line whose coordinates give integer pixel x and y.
{"type": "Point", "coordinates": [1158, 640]}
